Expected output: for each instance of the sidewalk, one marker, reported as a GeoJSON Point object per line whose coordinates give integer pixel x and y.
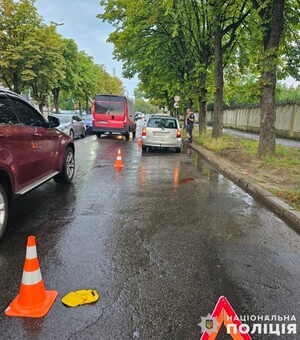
{"type": "Point", "coordinates": [280, 208]}
{"type": "Point", "coordinates": [282, 141]}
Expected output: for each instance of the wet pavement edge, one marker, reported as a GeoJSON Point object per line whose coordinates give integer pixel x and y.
{"type": "Point", "coordinates": [280, 208]}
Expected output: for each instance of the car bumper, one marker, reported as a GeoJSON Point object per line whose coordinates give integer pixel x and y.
{"type": "Point", "coordinates": [103, 129]}
{"type": "Point", "coordinates": [89, 129]}
{"type": "Point", "coordinates": [162, 144]}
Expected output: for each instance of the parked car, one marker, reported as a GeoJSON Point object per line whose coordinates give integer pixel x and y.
{"type": "Point", "coordinates": [161, 131]}
{"type": "Point", "coordinates": [87, 118]}
{"type": "Point", "coordinates": [71, 124]}
{"type": "Point", "coordinates": [32, 151]}
{"type": "Point", "coordinates": [113, 114]}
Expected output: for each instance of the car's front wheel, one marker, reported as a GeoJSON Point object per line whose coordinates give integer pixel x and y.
{"type": "Point", "coordinates": [3, 210]}
{"type": "Point", "coordinates": [71, 134]}
{"type": "Point", "coordinates": [67, 171]}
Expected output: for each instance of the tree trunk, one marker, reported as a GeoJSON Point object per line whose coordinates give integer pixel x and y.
{"type": "Point", "coordinates": [219, 83]}
{"type": "Point", "coordinates": [87, 104]}
{"type": "Point", "coordinates": [202, 104]}
{"type": "Point", "coordinates": [272, 35]}
{"type": "Point", "coordinates": [15, 83]}
{"type": "Point", "coordinates": [55, 93]}
{"type": "Point", "coordinates": [267, 142]}
{"type": "Point", "coordinates": [41, 106]}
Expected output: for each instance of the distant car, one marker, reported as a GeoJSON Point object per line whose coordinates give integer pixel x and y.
{"type": "Point", "coordinates": [32, 151]}
{"type": "Point", "coordinates": [87, 118]}
{"type": "Point", "coordinates": [161, 131]}
{"type": "Point", "coordinates": [71, 124]}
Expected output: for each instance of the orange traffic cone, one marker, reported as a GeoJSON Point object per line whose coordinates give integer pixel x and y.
{"type": "Point", "coordinates": [119, 163]}
{"type": "Point", "coordinates": [33, 300]}
{"type": "Point", "coordinates": [140, 141]}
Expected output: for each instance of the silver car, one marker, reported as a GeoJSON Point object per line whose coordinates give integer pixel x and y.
{"type": "Point", "coordinates": [161, 132]}
{"type": "Point", "coordinates": [71, 124]}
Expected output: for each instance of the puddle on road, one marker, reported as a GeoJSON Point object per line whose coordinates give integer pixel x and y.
{"type": "Point", "coordinates": [209, 172]}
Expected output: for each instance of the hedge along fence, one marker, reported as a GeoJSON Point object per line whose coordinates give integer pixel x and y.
{"type": "Point", "coordinates": [248, 119]}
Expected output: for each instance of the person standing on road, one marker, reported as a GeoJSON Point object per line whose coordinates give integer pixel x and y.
{"type": "Point", "coordinates": [190, 124]}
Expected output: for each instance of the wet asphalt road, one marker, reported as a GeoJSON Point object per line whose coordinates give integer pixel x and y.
{"type": "Point", "coordinates": [160, 241]}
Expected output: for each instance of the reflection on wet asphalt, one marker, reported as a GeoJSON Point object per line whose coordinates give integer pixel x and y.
{"type": "Point", "coordinates": [160, 240]}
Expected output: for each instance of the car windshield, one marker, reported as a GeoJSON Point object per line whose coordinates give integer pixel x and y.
{"type": "Point", "coordinates": [162, 123]}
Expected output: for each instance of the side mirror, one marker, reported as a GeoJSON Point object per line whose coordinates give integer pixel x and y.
{"type": "Point", "coordinates": [53, 121]}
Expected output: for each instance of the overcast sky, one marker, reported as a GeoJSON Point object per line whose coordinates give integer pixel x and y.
{"type": "Point", "coordinates": [89, 33]}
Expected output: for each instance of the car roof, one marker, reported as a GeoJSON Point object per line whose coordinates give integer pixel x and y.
{"type": "Point", "coordinates": [65, 114]}
{"type": "Point", "coordinates": [17, 95]}
{"type": "Point", "coordinates": [9, 92]}
{"type": "Point", "coordinates": [161, 116]}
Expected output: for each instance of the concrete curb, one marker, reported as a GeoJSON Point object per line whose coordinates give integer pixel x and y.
{"type": "Point", "coordinates": [280, 208]}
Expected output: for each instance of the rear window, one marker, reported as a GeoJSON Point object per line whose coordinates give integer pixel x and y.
{"type": "Point", "coordinates": [116, 109]}
{"type": "Point", "coordinates": [63, 119]}
{"type": "Point", "coordinates": [105, 98]}
{"type": "Point", "coordinates": [162, 123]}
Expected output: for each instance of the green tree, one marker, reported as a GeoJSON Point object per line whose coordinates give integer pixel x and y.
{"type": "Point", "coordinates": [86, 77]}
{"type": "Point", "coordinates": [66, 80]}
{"type": "Point", "coordinates": [227, 17]}
{"type": "Point", "coordinates": [19, 29]}
{"type": "Point", "coordinates": [161, 47]}
{"type": "Point", "coordinates": [48, 68]}
{"type": "Point", "coordinates": [271, 15]}
{"type": "Point", "coordinates": [143, 106]}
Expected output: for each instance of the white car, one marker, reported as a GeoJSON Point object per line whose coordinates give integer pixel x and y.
{"type": "Point", "coordinates": [161, 131]}
{"type": "Point", "coordinates": [71, 124]}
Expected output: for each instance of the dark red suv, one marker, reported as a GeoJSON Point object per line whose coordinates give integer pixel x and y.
{"type": "Point", "coordinates": [32, 151]}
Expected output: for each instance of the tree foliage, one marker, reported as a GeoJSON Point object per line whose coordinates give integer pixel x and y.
{"type": "Point", "coordinates": [19, 26]}
{"type": "Point", "coordinates": [33, 56]}
{"type": "Point", "coordinates": [176, 46]}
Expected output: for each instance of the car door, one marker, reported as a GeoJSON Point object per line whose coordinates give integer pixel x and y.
{"type": "Point", "coordinates": [44, 139]}
{"type": "Point", "coordinates": [78, 125]}
{"type": "Point", "coordinates": [17, 150]}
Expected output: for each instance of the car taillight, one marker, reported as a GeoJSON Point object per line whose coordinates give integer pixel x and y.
{"type": "Point", "coordinates": [125, 112]}
{"type": "Point", "coordinates": [144, 132]}
{"type": "Point", "coordinates": [178, 133]}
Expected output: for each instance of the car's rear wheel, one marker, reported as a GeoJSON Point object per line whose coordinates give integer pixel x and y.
{"type": "Point", "coordinates": [178, 150]}
{"type": "Point", "coordinates": [67, 171]}
{"type": "Point", "coordinates": [3, 210]}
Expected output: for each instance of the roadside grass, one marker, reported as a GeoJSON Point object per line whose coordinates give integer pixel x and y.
{"type": "Point", "coordinates": [280, 174]}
